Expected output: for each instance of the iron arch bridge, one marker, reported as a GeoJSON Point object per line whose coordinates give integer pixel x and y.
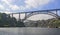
{"type": "Point", "coordinates": [31, 13]}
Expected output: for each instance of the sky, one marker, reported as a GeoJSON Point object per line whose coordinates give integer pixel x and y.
{"type": "Point", "coordinates": [28, 5]}
{"type": "Point", "coordinates": [12, 6]}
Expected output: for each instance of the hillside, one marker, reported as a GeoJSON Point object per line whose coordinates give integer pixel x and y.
{"type": "Point", "coordinates": [8, 21]}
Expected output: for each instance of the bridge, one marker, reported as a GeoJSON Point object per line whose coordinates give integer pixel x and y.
{"type": "Point", "coordinates": [31, 13]}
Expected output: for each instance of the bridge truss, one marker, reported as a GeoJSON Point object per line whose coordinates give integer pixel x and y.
{"type": "Point", "coordinates": [31, 13]}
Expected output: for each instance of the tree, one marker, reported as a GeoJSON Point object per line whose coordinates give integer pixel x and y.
{"type": "Point", "coordinates": [6, 20]}
{"type": "Point", "coordinates": [54, 23]}
{"type": "Point", "coordinates": [20, 24]}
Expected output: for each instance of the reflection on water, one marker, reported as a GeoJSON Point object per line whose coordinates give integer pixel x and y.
{"type": "Point", "coordinates": [29, 31]}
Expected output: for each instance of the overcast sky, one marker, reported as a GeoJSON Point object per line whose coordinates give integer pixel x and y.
{"type": "Point", "coordinates": [27, 5]}
{"type": "Point", "coordinates": [9, 6]}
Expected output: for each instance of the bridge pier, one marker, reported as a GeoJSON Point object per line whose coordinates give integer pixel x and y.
{"type": "Point", "coordinates": [19, 17]}
{"type": "Point", "coordinates": [12, 15]}
{"type": "Point", "coordinates": [25, 15]}
{"type": "Point", "coordinates": [56, 12]}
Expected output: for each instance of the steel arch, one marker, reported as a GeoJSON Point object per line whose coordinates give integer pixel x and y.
{"type": "Point", "coordinates": [35, 13]}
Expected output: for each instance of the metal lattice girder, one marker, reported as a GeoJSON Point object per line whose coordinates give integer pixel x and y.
{"type": "Point", "coordinates": [35, 13]}
{"type": "Point", "coordinates": [31, 13]}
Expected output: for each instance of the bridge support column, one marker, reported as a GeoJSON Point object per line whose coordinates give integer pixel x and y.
{"type": "Point", "coordinates": [9, 15]}
{"type": "Point", "coordinates": [25, 15]}
{"type": "Point", "coordinates": [20, 20]}
{"type": "Point", "coordinates": [56, 12]}
{"type": "Point", "coordinates": [19, 16]}
{"type": "Point", "coordinates": [12, 15]}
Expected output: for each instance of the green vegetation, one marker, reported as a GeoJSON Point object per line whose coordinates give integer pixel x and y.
{"type": "Point", "coordinates": [8, 21]}
{"type": "Point", "coordinates": [54, 23]}
{"type": "Point", "coordinates": [50, 23]}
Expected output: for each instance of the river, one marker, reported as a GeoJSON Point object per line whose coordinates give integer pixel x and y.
{"type": "Point", "coordinates": [29, 31]}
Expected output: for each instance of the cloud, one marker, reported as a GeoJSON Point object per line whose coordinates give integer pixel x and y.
{"type": "Point", "coordinates": [36, 3]}
{"type": "Point", "coordinates": [10, 5]}
{"type": "Point", "coordinates": [28, 4]}
{"type": "Point", "coordinates": [7, 12]}
{"type": "Point", "coordinates": [1, 7]}
{"type": "Point", "coordinates": [14, 7]}
{"type": "Point", "coordinates": [22, 8]}
{"type": "Point", "coordinates": [6, 1]}
{"type": "Point", "coordinates": [40, 17]}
